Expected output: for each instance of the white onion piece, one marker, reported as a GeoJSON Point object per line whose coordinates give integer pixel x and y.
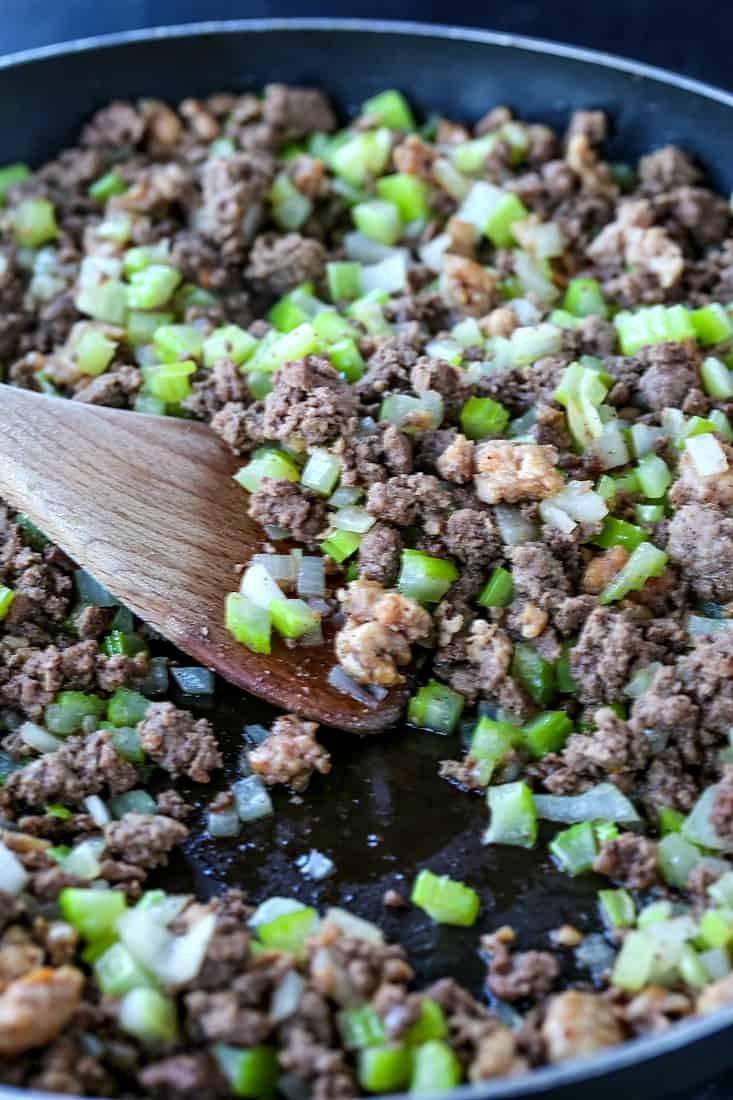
{"type": "Point", "coordinates": [311, 577]}
{"type": "Point", "coordinates": [532, 276]}
{"type": "Point", "coordinates": [526, 311]}
{"type": "Point", "coordinates": [272, 909]}
{"type": "Point", "coordinates": [444, 348]}
{"type": "Point", "coordinates": [390, 274]}
{"type": "Point", "coordinates": [365, 251]}
{"type": "Point", "coordinates": [432, 254]}
{"type": "Point", "coordinates": [163, 909]}
{"type": "Point", "coordinates": [578, 501]}
{"type": "Point", "coordinates": [173, 959]}
{"type": "Point", "coordinates": [514, 527]}
{"type": "Point", "coordinates": [313, 636]}
{"type": "Point", "coordinates": [644, 437]}
{"type": "Point", "coordinates": [221, 823]}
{"type": "Point", "coordinates": [604, 802]}
{"type": "Point", "coordinates": [479, 204]}
{"type": "Point", "coordinates": [542, 239]}
{"type": "Point", "coordinates": [13, 875]}
{"type": "Point", "coordinates": [252, 799]}
{"type": "Point", "coordinates": [316, 866]}
{"type": "Point", "coordinates": [707, 454]}
{"type": "Point", "coordinates": [716, 962]}
{"type": "Point", "coordinates": [353, 518]}
{"type": "Point", "coordinates": [357, 927]}
{"type": "Point", "coordinates": [83, 860]}
{"type": "Point", "coordinates": [596, 954]}
{"type": "Point", "coordinates": [610, 446]}
{"type": "Point", "coordinates": [331, 978]}
{"type": "Point", "coordinates": [38, 738]}
{"type": "Point", "coordinates": [641, 680]}
{"type": "Point", "coordinates": [281, 567]}
{"type": "Point", "coordinates": [259, 587]}
{"type": "Point", "coordinates": [275, 533]}
{"type": "Point", "coordinates": [698, 827]}
{"type": "Point", "coordinates": [97, 810]}
{"type": "Point", "coordinates": [345, 495]}
{"type": "Point", "coordinates": [286, 997]}
{"type": "Point", "coordinates": [556, 517]}
{"type": "Point", "coordinates": [674, 423]}
{"type": "Point", "coordinates": [669, 938]}
{"type": "Point", "coordinates": [450, 179]}
{"type": "Point", "coordinates": [343, 682]}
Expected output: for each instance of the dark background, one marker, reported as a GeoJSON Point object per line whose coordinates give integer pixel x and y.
{"type": "Point", "coordinates": [694, 39]}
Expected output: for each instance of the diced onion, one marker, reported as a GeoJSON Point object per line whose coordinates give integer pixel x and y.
{"type": "Point", "coordinates": [259, 587]}
{"type": "Point", "coordinates": [275, 533]}
{"type": "Point", "coordinates": [644, 437]}
{"type": "Point", "coordinates": [273, 908]}
{"type": "Point", "coordinates": [542, 239]}
{"type": "Point", "coordinates": [222, 823]}
{"type": "Point", "coordinates": [698, 827]}
{"type": "Point", "coordinates": [341, 680]}
{"type": "Point", "coordinates": [357, 927]}
{"type": "Point", "coordinates": [674, 423]}
{"type": "Point", "coordinates": [716, 962]}
{"type": "Point", "coordinates": [578, 501]}
{"type": "Point", "coordinates": [38, 738]}
{"type": "Point", "coordinates": [595, 954]}
{"type": "Point", "coordinates": [533, 277]}
{"type": "Point", "coordinates": [195, 680]}
{"type": "Point", "coordinates": [450, 179]}
{"type": "Point", "coordinates": [353, 518]}
{"type": "Point", "coordinates": [514, 527]}
{"type": "Point", "coordinates": [252, 799]}
{"type": "Point", "coordinates": [390, 274]}
{"type": "Point", "coordinates": [311, 577]}
{"type": "Point", "coordinates": [286, 997]}
{"type": "Point", "coordinates": [13, 875]}
{"type": "Point", "coordinates": [83, 860]}
{"type": "Point", "coordinates": [640, 682]}
{"type": "Point", "coordinates": [526, 312]}
{"type": "Point", "coordinates": [97, 810]}
{"type": "Point", "coordinates": [313, 636]}
{"type": "Point", "coordinates": [610, 446]}
{"type": "Point", "coordinates": [281, 567]}
{"type": "Point", "coordinates": [361, 248]}
{"type": "Point", "coordinates": [173, 959]}
{"type": "Point", "coordinates": [432, 254]}
{"type": "Point", "coordinates": [345, 495]}
{"type": "Point", "coordinates": [707, 454]}
{"type": "Point", "coordinates": [316, 866]}
{"type": "Point", "coordinates": [556, 517]}
{"type": "Point", "coordinates": [604, 802]}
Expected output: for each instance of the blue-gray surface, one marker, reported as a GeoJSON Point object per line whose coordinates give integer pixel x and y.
{"type": "Point", "coordinates": [656, 32]}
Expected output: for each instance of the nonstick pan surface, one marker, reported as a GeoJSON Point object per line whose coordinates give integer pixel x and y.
{"type": "Point", "coordinates": [382, 813]}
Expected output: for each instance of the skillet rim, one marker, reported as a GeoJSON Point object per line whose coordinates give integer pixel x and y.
{"type": "Point", "coordinates": [686, 1033]}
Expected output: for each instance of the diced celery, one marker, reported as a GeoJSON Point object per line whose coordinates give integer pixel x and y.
{"type": "Point", "coordinates": [482, 418]}
{"type": "Point", "coordinates": [445, 900]}
{"type": "Point", "coordinates": [513, 816]}
{"type": "Point", "coordinates": [547, 732]}
{"type": "Point", "coordinates": [132, 802]}
{"type": "Point", "coordinates": [292, 617]}
{"type": "Point", "coordinates": [435, 707]}
{"type": "Point", "coordinates": [340, 545]}
{"type": "Point", "coordinates": [368, 311]}
{"type": "Point", "coordinates": [344, 280]}
{"type": "Point", "coordinates": [347, 359]}
{"type": "Point", "coordinates": [424, 577]}
{"type": "Point", "coordinates": [533, 673]}
{"type": "Point", "coordinates": [141, 327]}
{"type": "Point", "coordinates": [321, 471]}
{"type": "Point", "coordinates": [491, 741]}
{"type": "Point", "coordinates": [677, 857]}
{"type": "Point", "coordinates": [712, 324]}
{"type": "Point", "coordinates": [7, 595]}
{"type": "Point", "coordinates": [360, 1028]}
{"type": "Point", "coordinates": [67, 713]}
{"type": "Point", "coordinates": [330, 327]}
{"type": "Point", "coordinates": [93, 913]}
{"type": "Point", "coordinates": [61, 813]}
{"type": "Point", "coordinates": [119, 642]}
{"type": "Point", "coordinates": [431, 1025]}
{"type": "Point", "coordinates": [259, 385]}
{"type": "Point", "coordinates": [617, 532]}
{"type": "Point", "coordinates": [634, 962]}
{"type": "Point", "coordinates": [670, 821]}
{"type": "Point", "coordinates": [618, 908]}
{"type": "Point", "coordinates": [584, 298]}
{"type": "Point", "coordinates": [384, 1068]}
{"type": "Point", "coordinates": [149, 1016]}
{"type": "Point", "coordinates": [378, 220]}
{"type": "Point", "coordinates": [498, 590]}
{"type": "Point", "coordinates": [295, 308]}
{"type": "Point", "coordinates": [531, 342]}
{"type": "Point", "coordinates": [126, 707]}
{"type": "Point", "coordinates": [251, 1072]}
{"type": "Point", "coordinates": [362, 156]}
{"type": "Point", "coordinates": [648, 514]}
{"type": "Point", "coordinates": [575, 848]}
{"type": "Point", "coordinates": [498, 226]}
{"type": "Point", "coordinates": [117, 972]}
{"type": "Point", "coordinates": [470, 156]}
{"type": "Point", "coordinates": [290, 207]}
{"type": "Point", "coordinates": [250, 625]}
{"type": "Point", "coordinates": [175, 342]}
{"type": "Point", "coordinates": [34, 223]}
{"type": "Point", "coordinates": [435, 1068]}
{"type": "Point", "coordinates": [646, 561]}
{"type": "Point", "coordinates": [126, 743]}
{"type": "Point", "coordinates": [152, 287]}
{"type": "Point", "coordinates": [581, 392]}
{"type": "Point", "coordinates": [413, 414]}
{"type": "Point", "coordinates": [296, 344]}
{"type": "Point", "coordinates": [228, 342]}
{"type": "Point", "coordinates": [170, 381]}
{"type": "Point", "coordinates": [10, 174]}
{"type": "Point", "coordinates": [408, 193]}
{"type": "Point", "coordinates": [111, 183]}
{"type": "Point", "coordinates": [717, 379]}
{"type": "Point", "coordinates": [654, 476]}
{"type": "Point", "coordinates": [391, 109]}
{"type": "Point", "coordinates": [722, 425]}
{"type": "Point", "coordinates": [93, 351]}
{"type": "Point", "coordinates": [563, 676]}
{"type": "Point", "coordinates": [289, 931]}
{"type": "Point", "coordinates": [716, 928]}
{"type": "Point", "coordinates": [653, 325]}
{"type": "Point", "coordinates": [270, 463]}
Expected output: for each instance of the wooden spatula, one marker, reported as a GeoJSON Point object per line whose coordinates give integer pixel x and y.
{"type": "Point", "coordinates": [147, 505]}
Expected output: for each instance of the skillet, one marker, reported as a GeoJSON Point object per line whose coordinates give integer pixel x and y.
{"type": "Point", "coordinates": [383, 813]}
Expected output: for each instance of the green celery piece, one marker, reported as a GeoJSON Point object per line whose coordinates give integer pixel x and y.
{"type": "Point", "coordinates": [431, 1025]}
{"type": "Point", "coordinates": [93, 351]}
{"type": "Point", "coordinates": [617, 907]}
{"type": "Point", "coordinates": [482, 418]}
{"type": "Point", "coordinates": [563, 676]}
{"type": "Point", "coordinates": [444, 900]}
{"type": "Point", "coordinates": [126, 707]}
{"type": "Point", "coordinates": [575, 848]}
{"type": "Point", "coordinates": [712, 324]}
{"type": "Point", "coordinates": [330, 327]}
{"type": "Point", "coordinates": [289, 931]}
{"type": "Point", "coordinates": [653, 325]}
{"type": "Point", "coordinates": [290, 207]}
{"type": "Point", "coordinates": [670, 821]}
{"type": "Point", "coordinates": [391, 109]}
{"type": "Point", "coordinates": [175, 342]}
{"type": "Point", "coordinates": [584, 298]}
{"type": "Point", "coordinates": [435, 707]}
{"type": "Point", "coordinates": [634, 962]}
{"type": "Point", "coordinates": [534, 674]}
{"type": "Point", "coordinates": [677, 857]}
{"type": "Point", "coordinates": [717, 378]}
{"type": "Point", "coordinates": [435, 1068]}
{"type": "Point", "coordinates": [491, 741]}
{"type": "Point", "coordinates": [292, 617]}
{"type": "Point", "coordinates": [170, 381]}
{"type": "Point", "coordinates": [149, 1016]}
{"type": "Point", "coordinates": [10, 174]}
{"type": "Point", "coordinates": [55, 809]}
{"type": "Point", "coordinates": [408, 193]}
{"type": "Point", "coordinates": [7, 595]}
{"type": "Point", "coordinates": [344, 280]}
{"type": "Point", "coordinates": [646, 561]}
{"type": "Point", "coordinates": [384, 1068]}
{"type": "Point", "coordinates": [321, 472]}
{"type": "Point", "coordinates": [32, 535]}
{"type": "Point", "coordinates": [654, 475]}
{"type": "Point", "coordinates": [547, 732]}
{"type": "Point", "coordinates": [498, 590]}
{"type": "Point", "coordinates": [251, 1072]}
{"type": "Point", "coordinates": [66, 714]}
{"type": "Point", "coordinates": [152, 287]}
{"type": "Point", "coordinates": [513, 816]}
{"type": "Point", "coordinates": [228, 342]}
{"type": "Point", "coordinates": [249, 624]}
{"type": "Point", "coordinates": [103, 188]}
{"type": "Point", "coordinates": [347, 359]}
{"type": "Point", "coordinates": [117, 972]}
{"type": "Point", "coordinates": [294, 308]}
{"type": "Point", "coordinates": [378, 220]}
{"type": "Point", "coordinates": [34, 223]}
{"type": "Point", "coordinates": [93, 913]}
{"type": "Point", "coordinates": [141, 326]}
{"type": "Point", "coordinates": [361, 157]}
{"type": "Point", "coordinates": [470, 156]}
{"type": "Point", "coordinates": [498, 228]}
{"type": "Point", "coordinates": [716, 928]}
{"type": "Point", "coordinates": [425, 578]}
{"type": "Point", "coordinates": [340, 545]}
{"type": "Point", "coordinates": [272, 353]}
{"type": "Point", "coordinates": [360, 1028]}
{"type": "Point", "coordinates": [648, 514]}
{"type": "Point", "coordinates": [581, 392]}
{"type": "Point", "coordinates": [267, 462]}
{"type": "Point", "coordinates": [617, 532]}
{"type": "Point", "coordinates": [126, 743]}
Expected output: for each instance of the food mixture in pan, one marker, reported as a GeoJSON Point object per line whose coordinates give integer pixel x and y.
{"type": "Point", "coordinates": [480, 380]}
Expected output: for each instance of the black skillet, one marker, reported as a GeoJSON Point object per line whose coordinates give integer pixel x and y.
{"type": "Point", "coordinates": [383, 814]}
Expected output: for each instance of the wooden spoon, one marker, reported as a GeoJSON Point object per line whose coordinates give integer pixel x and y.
{"type": "Point", "coordinates": [147, 505]}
